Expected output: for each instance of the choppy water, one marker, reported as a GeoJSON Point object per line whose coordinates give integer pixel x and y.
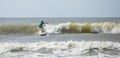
{"type": "Point", "coordinates": [69, 38]}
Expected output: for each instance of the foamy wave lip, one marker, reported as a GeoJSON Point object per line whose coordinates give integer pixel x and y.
{"type": "Point", "coordinates": [69, 47]}
{"type": "Point", "coordinates": [70, 27]}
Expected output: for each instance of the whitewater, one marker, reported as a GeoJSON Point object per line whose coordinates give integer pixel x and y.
{"type": "Point", "coordinates": [72, 49]}
{"type": "Point", "coordinates": [66, 38]}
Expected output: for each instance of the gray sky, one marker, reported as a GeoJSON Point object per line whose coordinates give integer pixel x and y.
{"type": "Point", "coordinates": [59, 8]}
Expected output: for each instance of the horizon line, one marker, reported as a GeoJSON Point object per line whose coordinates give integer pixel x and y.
{"type": "Point", "coordinates": [59, 17]}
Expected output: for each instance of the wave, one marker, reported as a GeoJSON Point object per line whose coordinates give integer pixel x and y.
{"type": "Point", "coordinates": [64, 48]}
{"type": "Point", "coordinates": [69, 27]}
{"type": "Point", "coordinates": [18, 29]}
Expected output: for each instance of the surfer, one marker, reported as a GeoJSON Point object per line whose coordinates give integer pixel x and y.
{"type": "Point", "coordinates": [41, 26]}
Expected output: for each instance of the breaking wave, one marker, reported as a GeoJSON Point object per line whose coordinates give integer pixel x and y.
{"type": "Point", "coordinates": [70, 27]}
{"type": "Point", "coordinates": [63, 49]}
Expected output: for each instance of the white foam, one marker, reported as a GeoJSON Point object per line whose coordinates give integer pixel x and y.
{"type": "Point", "coordinates": [61, 49]}
{"type": "Point", "coordinates": [55, 46]}
{"type": "Point", "coordinates": [116, 29]}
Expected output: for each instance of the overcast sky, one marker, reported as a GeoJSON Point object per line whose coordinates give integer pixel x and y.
{"type": "Point", "coordinates": [59, 8]}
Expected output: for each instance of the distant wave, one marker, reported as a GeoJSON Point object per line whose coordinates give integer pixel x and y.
{"type": "Point", "coordinates": [69, 27]}
{"type": "Point", "coordinates": [64, 48]}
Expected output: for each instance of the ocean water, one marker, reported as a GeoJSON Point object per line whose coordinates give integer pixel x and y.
{"type": "Point", "coordinates": [65, 38]}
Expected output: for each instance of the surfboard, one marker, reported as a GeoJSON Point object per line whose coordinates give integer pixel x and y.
{"type": "Point", "coordinates": [41, 33]}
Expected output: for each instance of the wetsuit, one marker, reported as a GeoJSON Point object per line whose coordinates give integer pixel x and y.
{"type": "Point", "coordinates": [41, 25]}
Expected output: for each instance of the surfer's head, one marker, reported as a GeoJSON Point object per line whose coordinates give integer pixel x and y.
{"type": "Point", "coordinates": [42, 21]}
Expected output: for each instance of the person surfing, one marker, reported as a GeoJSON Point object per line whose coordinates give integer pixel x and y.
{"type": "Point", "coordinates": [41, 26]}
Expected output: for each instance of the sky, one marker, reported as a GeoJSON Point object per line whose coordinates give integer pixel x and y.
{"type": "Point", "coordinates": [59, 8]}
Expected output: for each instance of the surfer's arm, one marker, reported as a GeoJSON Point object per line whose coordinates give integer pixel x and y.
{"type": "Point", "coordinates": [45, 23]}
